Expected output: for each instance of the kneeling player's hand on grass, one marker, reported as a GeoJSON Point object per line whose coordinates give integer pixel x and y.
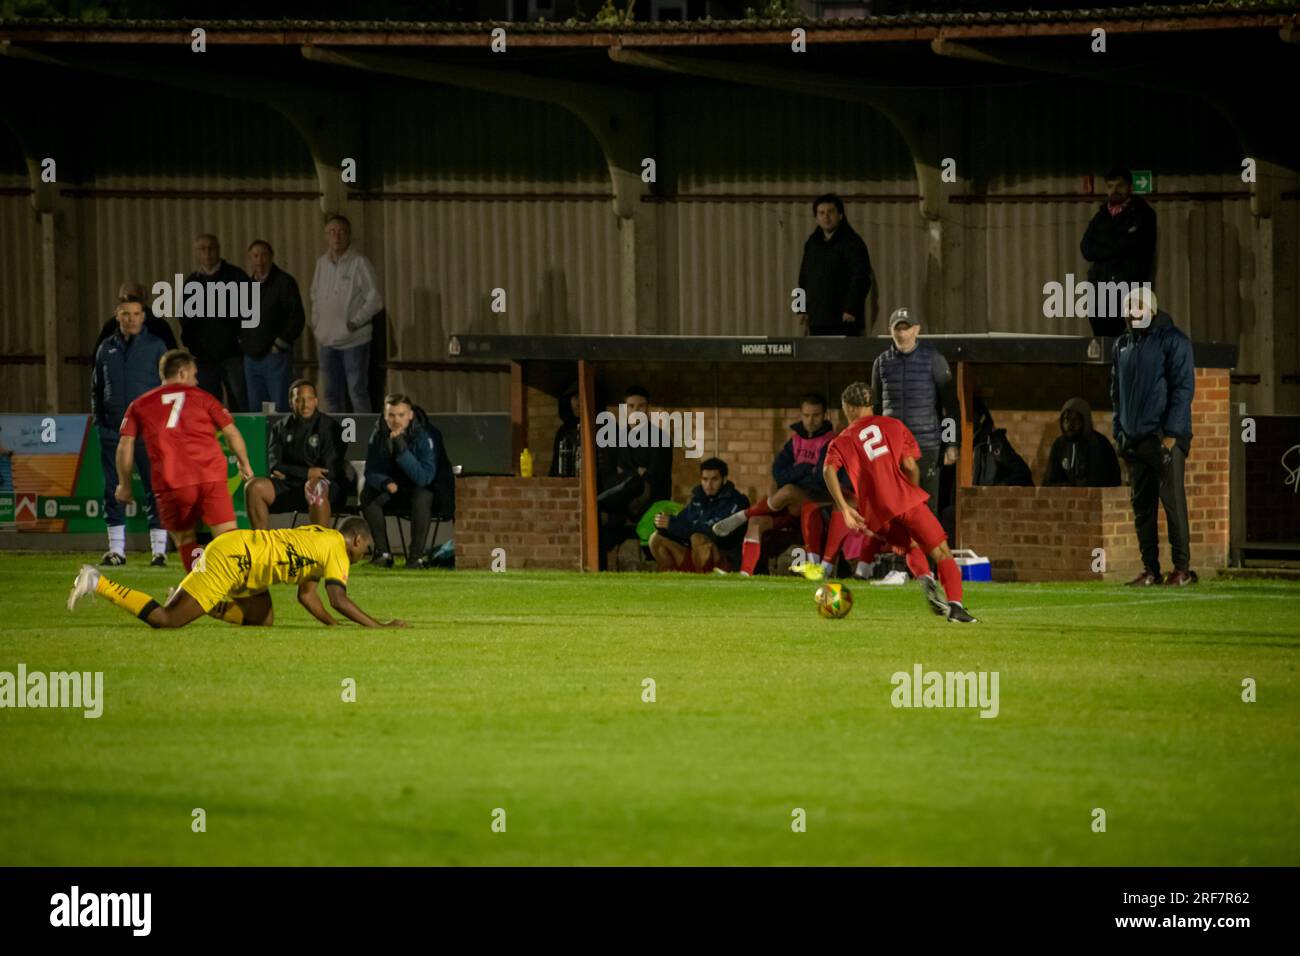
{"type": "Point", "coordinates": [123, 494]}
{"type": "Point", "coordinates": [396, 622]}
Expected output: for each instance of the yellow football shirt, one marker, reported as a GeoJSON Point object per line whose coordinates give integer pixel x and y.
{"type": "Point", "coordinates": [240, 563]}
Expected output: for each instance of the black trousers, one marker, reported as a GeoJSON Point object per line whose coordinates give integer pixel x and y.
{"type": "Point", "coordinates": [931, 464]}
{"type": "Point", "coordinates": [1151, 484]}
{"type": "Point", "coordinates": [228, 372]}
{"type": "Point", "coordinates": [407, 501]}
{"type": "Point", "coordinates": [620, 507]}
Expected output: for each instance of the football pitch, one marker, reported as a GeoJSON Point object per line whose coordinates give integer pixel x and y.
{"type": "Point", "coordinates": [513, 725]}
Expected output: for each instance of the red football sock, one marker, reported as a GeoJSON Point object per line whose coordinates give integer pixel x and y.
{"type": "Point", "coordinates": [950, 578]}
{"type": "Point", "coordinates": [835, 537]}
{"type": "Point", "coordinates": [758, 510]}
{"type": "Point", "coordinates": [917, 564]}
{"type": "Point", "coordinates": [750, 552]}
{"type": "Point", "coordinates": [812, 525]}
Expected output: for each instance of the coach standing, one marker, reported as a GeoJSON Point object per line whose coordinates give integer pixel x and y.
{"type": "Point", "coordinates": [1152, 381]}
{"type": "Point", "coordinates": [268, 346]}
{"type": "Point", "coordinates": [126, 366]}
{"type": "Point", "coordinates": [835, 274]}
{"type": "Point", "coordinates": [915, 384]}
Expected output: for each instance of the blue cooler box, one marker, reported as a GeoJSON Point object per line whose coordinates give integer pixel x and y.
{"type": "Point", "coordinates": [973, 567]}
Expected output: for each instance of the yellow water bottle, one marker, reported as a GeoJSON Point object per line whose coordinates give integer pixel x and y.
{"type": "Point", "coordinates": [525, 464]}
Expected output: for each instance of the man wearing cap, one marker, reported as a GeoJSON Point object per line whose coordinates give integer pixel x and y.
{"type": "Point", "coordinates": [916, 385]}
{"type": "Point", "coordinates": [1152, 381]}
{"type": "Point", "coordinates": [835, 274]}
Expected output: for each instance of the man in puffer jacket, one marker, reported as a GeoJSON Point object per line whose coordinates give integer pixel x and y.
{"type": "Point", "coordinates": [407, 473]}
{"type": "Point", "coordinates": [685, 541]}
{"type": "Point", "coordinates": [1081, 458]}
{"type": "Point", "coordinates": [1152, 381]}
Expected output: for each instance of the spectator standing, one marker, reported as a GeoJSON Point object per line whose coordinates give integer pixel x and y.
{"type": "Point", "coordinates": [1120, 246]}
{"type": "Point", "coordinates": [1081, 458]}
{"type": "Point", "coordinates": [134, 291]}
{"type": "Point", "coordinates": [685, 541]}
{"type": "Point", "coordinates": [126, 366]}
{"type": "Point", "coordinates": [835, 273]}
{"type": "Point", "coordinates": [407, 473]}
{"type": "Point", "coordinates": [913, 383]}
{"type": "Point", "coordinates": [344, 299]}
{"type": "Point", "coordinates": [1152, 381]}
{"type": "Point", "coordinates": [268, 346]}
{"type": "Point", "coordinates": [212, 340]}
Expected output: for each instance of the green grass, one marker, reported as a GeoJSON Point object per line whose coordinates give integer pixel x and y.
{"type": "Point", "coordinates": [523, 691]}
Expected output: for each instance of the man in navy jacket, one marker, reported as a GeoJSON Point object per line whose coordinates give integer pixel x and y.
{"type": "Point", "coordinates": [126, 366]}
{"type": "Point", "coordinates": [685, 541]}
{"type": "Point", "coordinates": [407, 473]}
{"type": "Point", "coordinates": [1152, 381]}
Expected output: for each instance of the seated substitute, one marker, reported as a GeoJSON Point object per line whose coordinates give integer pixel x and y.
{"type": "Point", "coordinates": [685, 541]}
{"type": "Point", "coordinates": [408, 473]}
{"type": "Point", "coordinates": [633, 477]}
{"type": "Point", "coordinates": [797, 473]}
{"type": "Point", "coordinates": [232, 579]}
{"type": "Point", "coordinates": [305, 448]}
{"type": "Point", "coordinates": [1081, 458]}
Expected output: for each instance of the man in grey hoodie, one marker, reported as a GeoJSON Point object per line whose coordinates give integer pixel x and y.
{"type": "Point", "coordinates": [1081, 458]}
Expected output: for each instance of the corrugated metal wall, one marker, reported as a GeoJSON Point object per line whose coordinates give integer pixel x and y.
{"type": "Point", "coordinates": [737, 170]}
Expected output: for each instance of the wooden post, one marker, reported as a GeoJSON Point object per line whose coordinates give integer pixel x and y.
{"type": "Point", "coordinates": [587, 475]}
{"type": "Point", "coordinates": [966, 458]}
{"type": "Point", "coordinates": [518, 411]}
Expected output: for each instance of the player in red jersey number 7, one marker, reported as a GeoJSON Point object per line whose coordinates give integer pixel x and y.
{"type": "Point", "coordinates": [880, 456]}
{"type": "Point", "coordinates": [178, 421]}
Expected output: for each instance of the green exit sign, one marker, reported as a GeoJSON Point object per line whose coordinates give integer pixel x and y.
{"type": "Point", "coordinates": [1143, 182]}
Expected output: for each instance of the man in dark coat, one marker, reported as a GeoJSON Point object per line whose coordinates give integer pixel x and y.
{"type": "Point", "coordinates": [212, 340]}
{"type": "Point", "coordinates": [132, 291]}
{"type": "Point", "coordinates": [1152, 381]}
{"type": "Point", "coordinates": [1120, 246]}
{"type": "Point", "coordinates": [634, 477]}
{"type": "Point", "coordinates": [1081, 458]}
{"type": "Point", "coordinates": [835, 274]}
{"type": "Point", "coordinates": [685, 541]}
{"type": "Point", "coordinates": [268, 346]}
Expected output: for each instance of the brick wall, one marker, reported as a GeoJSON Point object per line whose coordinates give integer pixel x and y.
{"type": "Point", "coordinates": [1045, 534]}
{"type": "Point", "coordinates": [536, 520]}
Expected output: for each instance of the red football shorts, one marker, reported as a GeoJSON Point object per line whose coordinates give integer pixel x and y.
{"type": "Point", "coordinates": [181, 509]}
{"type": "Point", "coordinates": [919, 525]}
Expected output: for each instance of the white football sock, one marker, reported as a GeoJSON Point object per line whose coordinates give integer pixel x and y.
{"type": "Point", "coordinates": [117, 539]}
{"type": "Point", "coordinates": [813, 558]}
{"type": "Point", "coordinates": [157, 540]}
{"type": "Point", "coordinates": [828, 567]}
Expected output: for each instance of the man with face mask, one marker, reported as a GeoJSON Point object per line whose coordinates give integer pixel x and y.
{"type": "Point", "coordinates": [1081, 458]}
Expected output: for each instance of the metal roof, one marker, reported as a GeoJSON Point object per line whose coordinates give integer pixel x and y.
{"type": "Point", "coordinates": [908, 26]}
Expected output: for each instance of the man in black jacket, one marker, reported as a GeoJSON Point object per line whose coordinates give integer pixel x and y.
{"type": "Point", "coordinates": [213, 341]}
{"type": "Point", "coordinates": [1120, 246]}
{"type": "Point", "coordinates": [132, 291]}
{"type": "Point", "coordinates": [268, 346]}
{"type": "Point", "coordinates": [304, 448]}
{"type": "Point", "coordinates": [835, 274]}
{"type": "Point", "coordinates": [1081, 458]}
{"type": "Point", "coordinates": [634, 478]}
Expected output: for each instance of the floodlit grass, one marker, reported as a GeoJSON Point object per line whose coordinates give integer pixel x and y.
{"type": "Point", "coordinates": [523, 691]}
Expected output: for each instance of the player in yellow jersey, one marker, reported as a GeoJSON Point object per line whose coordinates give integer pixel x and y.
{"type": "Point", "coordinates": [232, 581]}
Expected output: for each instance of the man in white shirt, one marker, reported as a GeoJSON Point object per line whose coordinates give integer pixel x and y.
{"type": "Point", "coordinates": [344, 298]}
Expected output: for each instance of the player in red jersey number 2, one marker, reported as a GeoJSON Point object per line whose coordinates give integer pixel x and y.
{"type": "Point", "coordinates": [880, 455]}
{"type": "Point", "coordinates": [177, 422]}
